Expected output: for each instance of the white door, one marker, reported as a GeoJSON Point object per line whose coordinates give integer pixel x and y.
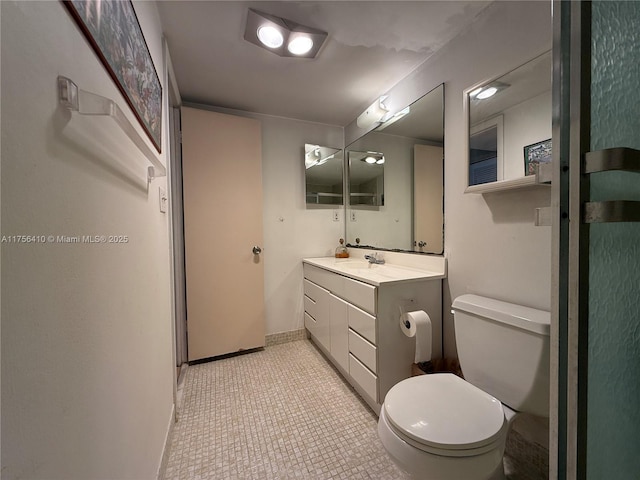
{"type": "Point", "coordinates": [428, 199]}
{"type": "Point", "coordinates": [222, 189]}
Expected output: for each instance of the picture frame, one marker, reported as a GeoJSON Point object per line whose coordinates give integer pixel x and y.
{"type": "Point", "coordinates": [112, 29]}
{"type": "Point", "coordinates": [536, 154]}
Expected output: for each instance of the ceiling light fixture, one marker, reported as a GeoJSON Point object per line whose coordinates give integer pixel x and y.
{"type": "Point", "coordinates": [283, 37]}
{"type": "Point", "coordinates": [373, 158]}
{"type": "Point", "coordinates": [488, 91]}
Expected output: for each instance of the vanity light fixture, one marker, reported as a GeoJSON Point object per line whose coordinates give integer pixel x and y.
{"type": "Point", "coordinates": [374, 113]}
{"type": "Point", "coordinates": [313, 156]}
{"type": "Point", "coordinates": [391, 119]}
{"type": "Point", "coordinates": [281, 36]}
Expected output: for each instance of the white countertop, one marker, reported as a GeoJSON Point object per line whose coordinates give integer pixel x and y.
{"type": "Point", "coordinates": [375, 274]}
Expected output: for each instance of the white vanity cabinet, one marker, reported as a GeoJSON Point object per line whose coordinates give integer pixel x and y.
{"type": "Point", "coordinates": [356, 323]}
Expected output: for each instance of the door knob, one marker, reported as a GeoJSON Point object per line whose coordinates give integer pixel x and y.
{"type": "Point", "coordinates": [257, 250]}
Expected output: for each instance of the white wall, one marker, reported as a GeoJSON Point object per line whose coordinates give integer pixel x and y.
{"type": "Point", "coordinates": [492, 247]}
{"type": "Point", "coordinates": [87, 371]}
{"type": "Point", "coordinates": [291, 230]}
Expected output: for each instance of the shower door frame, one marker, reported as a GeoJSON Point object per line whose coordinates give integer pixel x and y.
{"type": "Point", "coordinates": [570, 237]}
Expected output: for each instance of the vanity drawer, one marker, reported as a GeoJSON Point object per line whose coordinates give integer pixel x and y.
{"type": "Point", "coordinates": [363, 350]}
{"type": "Point", "coordinates": [363, 323]}
{"type": "Point", "coordinates": [310, 323]}
{"type": "Point", "coordinates": [310, 306]}
{"type": "Point", "coordinates": [360, 294]}
{"type": "Point", "coordinates": [329, 280]}
{"type": "Point", "coordinates": [363, 377]}
{"type": "Point", "coordinates": [313, 291]}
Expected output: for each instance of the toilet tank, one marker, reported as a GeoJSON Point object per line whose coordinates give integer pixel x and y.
{"type": "Point", "coordinates": [503, 349]}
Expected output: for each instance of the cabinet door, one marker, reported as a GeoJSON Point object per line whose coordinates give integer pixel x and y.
{"type": "Point", "coordinates": [340, 332]}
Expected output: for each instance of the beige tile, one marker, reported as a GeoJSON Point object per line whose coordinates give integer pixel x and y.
{"type": "Point", "coordinates": [280, 413]}
{"type": "Point", "coordinates": [285, 413]}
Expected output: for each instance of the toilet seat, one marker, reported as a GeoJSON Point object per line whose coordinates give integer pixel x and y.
{"type": "Point", "coordinates": [445, 415]}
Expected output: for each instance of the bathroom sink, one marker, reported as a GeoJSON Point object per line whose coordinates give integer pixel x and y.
{"type": "Point", "coordinates": [375, 270]}
{"type": "Point", "coordinates": [358, 265]}
{"type": "Point", "coordinates": [373, 273]}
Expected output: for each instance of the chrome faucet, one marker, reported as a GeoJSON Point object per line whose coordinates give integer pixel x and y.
{"type": "Point", "coordinates": [374, 259]}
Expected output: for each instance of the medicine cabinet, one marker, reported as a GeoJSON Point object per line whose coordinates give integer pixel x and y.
{"type": "Point", "coordinates": [509, 125]}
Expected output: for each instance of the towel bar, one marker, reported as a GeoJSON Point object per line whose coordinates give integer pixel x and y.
{"type": "Point", "coordinates": [87, 103]}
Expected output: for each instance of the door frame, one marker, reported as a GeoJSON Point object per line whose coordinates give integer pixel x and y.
{"type": "Point", "coordinates": [570, 237]}
{"type": "Point", "coordinates": [176, 229]}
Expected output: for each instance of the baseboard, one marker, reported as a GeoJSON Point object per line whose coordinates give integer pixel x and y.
{"type": "Point", "coordinates": [167, 445]}
{"type": "Point", "coordinates": [285, 337]}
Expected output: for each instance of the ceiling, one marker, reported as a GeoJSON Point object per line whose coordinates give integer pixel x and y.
{"type": "Point", "coordinates": [371, 46]}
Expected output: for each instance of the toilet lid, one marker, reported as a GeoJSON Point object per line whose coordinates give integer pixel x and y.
{"type": "Point", "coordinates": [445, 412]}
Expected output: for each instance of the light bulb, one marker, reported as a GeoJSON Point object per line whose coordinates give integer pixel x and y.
{"type": "Point", "coordinates": [300, 45]}
{"type": "Point", "coordinates": [489, 92]}
{"type": "Point", "coordinates": [270, 36]}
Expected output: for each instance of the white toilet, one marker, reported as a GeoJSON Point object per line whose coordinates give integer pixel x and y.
{"type": "Point", "coordinates": [441, 427]}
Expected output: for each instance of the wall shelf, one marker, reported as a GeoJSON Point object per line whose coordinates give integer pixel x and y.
{"type": "Point", "coordinates": [511, 184]}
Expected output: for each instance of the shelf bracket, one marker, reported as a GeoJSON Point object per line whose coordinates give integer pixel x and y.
{"type": "Point", "coordinates": [87, 103]}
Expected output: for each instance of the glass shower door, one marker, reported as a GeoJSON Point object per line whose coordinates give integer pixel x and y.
{"type": "Point", "coordinates": [612, 212]}
{"type": "Point", "coordinates": [596, 230]}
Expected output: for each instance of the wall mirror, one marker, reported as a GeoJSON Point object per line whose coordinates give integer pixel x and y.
{"type": "Point", "coordinates": [366, 178]}
{"type": "Point", "coordinates": [323, 167]}
{"type": "Point", "coordinates": [406, 211]}
{"type": "Point", "coordinates": [509, 120]}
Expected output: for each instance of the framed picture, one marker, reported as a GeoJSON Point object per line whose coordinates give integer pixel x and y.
{"type": "Point", "coordinates": [113, 30]}
{"type": "Point", "coordinates": [536, 154]}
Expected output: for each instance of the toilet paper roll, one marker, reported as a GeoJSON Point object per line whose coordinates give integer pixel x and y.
{"type": "Point", "coordinates": [418, 324]}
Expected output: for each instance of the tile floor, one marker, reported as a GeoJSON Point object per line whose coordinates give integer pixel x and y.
{"type": "Point", "coordinates": [280, 413]}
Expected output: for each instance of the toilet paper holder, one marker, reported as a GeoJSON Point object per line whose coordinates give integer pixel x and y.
{"type": "Point", "coordinates": [404, 307]}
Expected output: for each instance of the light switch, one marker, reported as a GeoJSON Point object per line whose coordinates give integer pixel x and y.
{"type": "Point", "coordinates": [336, 216]}
{"type": "Point", "coordinates": [163, 200]}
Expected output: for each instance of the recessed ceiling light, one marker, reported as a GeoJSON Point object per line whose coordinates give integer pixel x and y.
{"type": "Point", "coordinates": [270, 36]}
{"type": "Point", "coordinates": [381, 161]}
{"type": "Point", "coordinates": [370, 160]}
{"type": "Point", "coordinates": [300, 45]}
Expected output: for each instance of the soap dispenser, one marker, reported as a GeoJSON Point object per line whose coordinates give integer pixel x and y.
{"type": "Point", "coordinates": [341, 250]}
